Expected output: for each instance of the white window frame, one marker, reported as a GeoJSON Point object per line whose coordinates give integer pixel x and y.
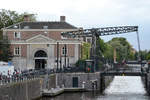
{"type": "Point", "coordinates": [63, 50]}
{"type": "Point", "coordinates": [17, 51]}
{"type": "Point", "coordinates": [17, 35]}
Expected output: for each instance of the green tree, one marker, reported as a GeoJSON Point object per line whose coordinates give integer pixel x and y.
{"type": "Point", "coordinates": [8, 18]}
{"type": "Point", "coordinates": [144, 54]}
{"type": "Point", "coordinates": [5, 54]}
{"type": "Point", "coordinates": [148, 56]}
{"type": "Point", "coordinates": [86, 50]}
{"type": "Point", "coordinates": [123, 48]}
{"type": "Point", "coordinates": [103, 49]}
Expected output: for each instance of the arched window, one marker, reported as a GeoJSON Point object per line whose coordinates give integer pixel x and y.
{"type": "Point", "coordinates": [40, 53]}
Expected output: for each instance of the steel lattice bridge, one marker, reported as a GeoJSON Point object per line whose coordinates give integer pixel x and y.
{"type": "Point", "coordinates": [101, 31]}
{"type": "Point", "coordinates": [95, 33]}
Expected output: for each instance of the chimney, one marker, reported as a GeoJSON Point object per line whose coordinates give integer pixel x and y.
{"type": "Point", "coordinates": [26, 18]}
{"type": "Point", "coordinates": [62, 18]}
{"type": "Point", "coordinates": [81, 28]}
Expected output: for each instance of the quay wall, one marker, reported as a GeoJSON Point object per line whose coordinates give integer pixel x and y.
{"type": "Point", "coordinates": [87, 79]}
{"type": "Point", "coordinates": [91, 80]}
{"type": "Point", "coordinates": [32, 89]}
{"type": "Point", "coordinates": [25, 90]}
{"type": "Point", "coordinates": [148, 83]}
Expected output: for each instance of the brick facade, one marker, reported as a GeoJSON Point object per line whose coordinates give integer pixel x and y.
{"type": "Point", "coordinates": [23, 49]}
{"type": "Point", "coordinates": [70, 50]}
{"type": "Point", "coordinates": [33, 40]}
{"type": "Point", "coordinates": [28, 34]}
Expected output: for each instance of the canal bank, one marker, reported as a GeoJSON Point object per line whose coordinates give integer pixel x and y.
{"type": "Point", "coordinates": [33, 88]}
{"type": "Point", "coordinates": [121, 88]}
{"type": "Point", "coordinates": [146, 81]}
{"type": "Point", "coordinates": [88, 81]}
{"type": "Point", "coordinates": [24, 90]}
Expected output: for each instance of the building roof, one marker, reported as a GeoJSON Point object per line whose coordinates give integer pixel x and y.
{"type": "Point", "coordinates": [42, 25]}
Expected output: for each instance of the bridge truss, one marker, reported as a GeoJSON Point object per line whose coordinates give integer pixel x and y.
{"type": "Point", "coordinates": [101, 31]}
{"type": "Point", "coordinates": [95, 33]}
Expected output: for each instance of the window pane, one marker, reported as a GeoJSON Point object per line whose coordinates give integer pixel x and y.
{"type": "Point", "coordinates": [17, 51]}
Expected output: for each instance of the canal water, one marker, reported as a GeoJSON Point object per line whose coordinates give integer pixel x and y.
{"type": "Point", "coordinates": [121, 88]}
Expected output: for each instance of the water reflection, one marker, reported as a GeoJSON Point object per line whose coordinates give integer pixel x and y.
{"type": "Point", "coordinates": [124, 97]}
{"type": "Point", "coordinates": [97, 96]}
{"type": "Point", "coordinates": [75, 96]}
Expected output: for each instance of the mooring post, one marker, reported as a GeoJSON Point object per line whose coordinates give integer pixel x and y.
{"type": "Point", "coordinates": [102, 83]}
{"type": "Point", "coordinates": [146, 82]}
{"type": "Point", "coordinates": [148, 89]}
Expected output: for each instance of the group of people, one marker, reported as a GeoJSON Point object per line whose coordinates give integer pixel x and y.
{"type": "Point", "coordinates": [9, 76]}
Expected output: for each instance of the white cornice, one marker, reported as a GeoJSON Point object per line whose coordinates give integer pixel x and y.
{"type": "Point", "coordinates": [52, 42]}
{"type": "Point", "coordinates": [46, 43]}
{"type": "Point", "coordinates": [61, 30]}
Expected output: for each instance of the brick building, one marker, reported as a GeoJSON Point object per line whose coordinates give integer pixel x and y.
{"type": "Point", "coordinates": [35, 45]}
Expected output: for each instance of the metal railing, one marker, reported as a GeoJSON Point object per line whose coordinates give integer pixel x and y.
{"type": "Point", "coordinates": [33, 74]}
{"type": "Point", "coordinates": [126, 68]}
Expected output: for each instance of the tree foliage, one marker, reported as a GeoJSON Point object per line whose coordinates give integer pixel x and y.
{"type": "Point", "coordinates": [8, 18]}
{"type": "Point", "coordinates": [144, 54]}
{"type": "Point", "coordinates": [123, 48]}
{"type": "Point", "coordinates": [86, 50]}
{"type": "Point", "coordinates": [148, 56]}
{"type": "Point", "coordinates": [103, 49]}
{"type": "Point", "coordinates": [5, 54]}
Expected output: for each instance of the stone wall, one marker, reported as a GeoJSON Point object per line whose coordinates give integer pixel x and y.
{"type": "Point", "coordinates": [148, 83]}
{"type": "Point", "coordinates": [25, 90]}
{"type": "Point", "coordinates": [31, 89]}
{"type": "Point", "coordinates": [66, 79]}
{"type": "Point", "coordinates": [19, 63]}
{"type": "Point", "coordinates": [108, 80]}
{"type": "Point", "coordinates": [49, 82]}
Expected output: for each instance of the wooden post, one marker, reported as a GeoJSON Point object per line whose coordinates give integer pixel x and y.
{"type": "Point", "coordinates": [102, 83]}
{"type": "Point", "coordinates": [146, 82]}
{"type": "Point", "coordinates": [115, 55]}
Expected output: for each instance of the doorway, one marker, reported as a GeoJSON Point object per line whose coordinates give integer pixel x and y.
{"type": "Point", "coordinates": [40, 59]}
{"type": "Point", "coordinates": [40, 63]}
{"type": "Point", "coordinates": [75, 82]}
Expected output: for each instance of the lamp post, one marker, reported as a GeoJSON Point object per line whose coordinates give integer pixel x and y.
{"type": "Point", "coordinates": [57, 56]}
{"type": "Point", "coordinates": [65, 54]}
{"type": "Point", "coordinates": [60, 63]}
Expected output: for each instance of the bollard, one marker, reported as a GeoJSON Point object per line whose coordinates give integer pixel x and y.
{"type": "Point", "coordinates": [148, 89]}
{"type": "Point", "coordinates": [148, 66]}
{"type": "Point", "coordinates": [83, 84]}
{"type": "Point", "coordinates": [96, 84]}
{"type": "Point", "coordinates": [63, 86]}
{"type": "Point", "coordinates": [1, 82]}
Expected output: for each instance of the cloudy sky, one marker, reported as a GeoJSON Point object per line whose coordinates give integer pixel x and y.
{"type": "Point", "coordinates": [92, 14]}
